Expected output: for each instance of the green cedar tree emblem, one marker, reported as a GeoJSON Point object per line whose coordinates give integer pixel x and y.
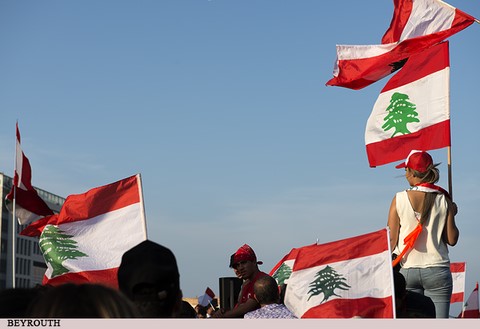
{"type": "Point", "coordinates": [57, 246]}
{"type": "Point", "coordinates": [400, 113]}
{"type": "Point", "coordinates": [326, 281]}
{"type": "Point", "coordinates": [282, 274]}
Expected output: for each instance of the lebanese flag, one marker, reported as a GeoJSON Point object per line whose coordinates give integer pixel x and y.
{"type": "Point", "coordinates": [28, 204]}
{"type": "Point", "coordinates": [206, 298]}
{"type": "Point", "coordinates": [412, 111]}
{"type": "Point", "coordinates": [458, 277]}
{"type": "Point", "coordinates": [86, 240]}
{"type": "Point", "coordinates": [416, 25]}
{"type": "Point", "coordinates": [343, 279]}
{"type": "Point", "coordinates": [471, 308]}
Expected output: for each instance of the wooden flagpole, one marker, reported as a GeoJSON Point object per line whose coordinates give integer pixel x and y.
{"type": "Point", "coordinates": [449, 163]}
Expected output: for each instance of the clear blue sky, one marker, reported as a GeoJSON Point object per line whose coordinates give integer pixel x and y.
{"type": "Point", "coordinates": [222, 107]}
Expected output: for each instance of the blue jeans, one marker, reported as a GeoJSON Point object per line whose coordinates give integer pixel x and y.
{"type": "Point", "coordinates": [433, 282]}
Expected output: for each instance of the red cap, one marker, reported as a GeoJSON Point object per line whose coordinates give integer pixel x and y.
{"type": "Point", "coordinates": [245, 252]}
{"type": "Point", "coordinates": [417, 160]}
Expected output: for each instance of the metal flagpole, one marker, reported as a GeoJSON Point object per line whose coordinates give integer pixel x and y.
{"type": "Point", "coordinates": [14, 236]}
{"type": "Point", "coordinates": [14, 226]}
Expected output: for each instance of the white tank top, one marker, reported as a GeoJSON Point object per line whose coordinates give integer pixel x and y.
{"type": "Point", "coordinates": [429, 249]}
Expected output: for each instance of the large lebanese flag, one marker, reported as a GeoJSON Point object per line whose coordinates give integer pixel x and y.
{"type": "Point", "coordinates": [343, 279]}
{"type": "Point", "coordinates": [28, 204]}
{"type": "Point", "coordinates": [416, 25]}
{"type": "Point", "coordinates": [86, 240]}
{"type": "Point", "coordinates": [471, 308]}
{"type": "Point", "coordinates": [412, 111]}
{"type": "Point", "coordinates": [458, 277]}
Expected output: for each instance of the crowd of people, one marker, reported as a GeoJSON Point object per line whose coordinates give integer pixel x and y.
{"type": "Point", "coordinates": [149, 280]}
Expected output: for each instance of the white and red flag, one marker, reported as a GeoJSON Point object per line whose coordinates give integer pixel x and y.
{"type": "Point", "coordinates": [28, 204]}
{"type": "Point", "coordinates": [416, 25]}
{"type": "Point", "coordinates": [343, 279]}
{"type": "Point", "coordinates": [86, 240]}
{"type": "Point", "coordinates": [471, 308]}
{"type": "Point", "coordinates": [458, 278]}
{"type": "Point", "coordinates": [206, 298]}
{"type": "Point", "coordinates": [412, 111]}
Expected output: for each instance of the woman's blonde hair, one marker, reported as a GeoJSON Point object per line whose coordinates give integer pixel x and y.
{"type": "Point", "coordinates": [432, 176]}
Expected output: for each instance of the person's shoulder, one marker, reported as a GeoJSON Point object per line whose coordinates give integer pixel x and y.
{"type": "Point", "coordinates": [252, 314]}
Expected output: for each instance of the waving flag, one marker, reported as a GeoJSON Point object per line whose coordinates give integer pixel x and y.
{"type": "Point", "coordinates": [86, 240]}
{"type": "Point", "coordinates": [458, 277]}
{"type": "Point", "coordinates": [28, 204]}
{"type": "Point", "coordinates": [206, 298]}
{"type": "Point", "coordinates": [471, 308]}
{"type": "Point", "coordinates": [416, 25]}
{"type": "Point", "coordinates": [343, 279]}
{"type": "Point", "coordinates": [412, 111]}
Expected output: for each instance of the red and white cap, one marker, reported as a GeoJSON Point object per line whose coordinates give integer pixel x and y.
{"type": "Point", "coordinates": [243, 253]}
{"type": "Point", "coordinates": [417, 160]}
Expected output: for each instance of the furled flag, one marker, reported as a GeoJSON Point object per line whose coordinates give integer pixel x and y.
{"type": "Point", "coordinates": [28, 204]}
{"type": "Point", "coordinates": [206, 298]}
{"type": "Point", "coordinates": [343, 279]}
{"type": "Point", "coordinates": [416, 25]}
{"type": "Point", "coordinates": [86, 240]}
{"type": "Point", "coordinates": [458, 277]}
{"type": "Point", "coordinates": [412, 110]}
{"type": "Point", "coordinates": [471, 308]}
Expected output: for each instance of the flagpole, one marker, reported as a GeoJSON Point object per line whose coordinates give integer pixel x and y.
{"type": "Point", "coordinates": [140, 193]}
{"type": "Point", "coordinates": [14, 226]}
{"type": "Point", "coordinates": [449, 164]}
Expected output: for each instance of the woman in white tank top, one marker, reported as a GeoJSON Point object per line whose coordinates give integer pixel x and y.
{"type": "Point", "coordinates": [422, 224]}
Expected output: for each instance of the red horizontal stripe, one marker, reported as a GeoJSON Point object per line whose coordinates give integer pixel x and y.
{"type": "Point", "coordinates": [106, 277]}
{"type": "Point", "coordinates": [291, 255]}
{"type": "Point", "coordinates": [100, 200]}
{"type": "Point", "coordinates": [457, 267]}
{"type": "Point", "coordinates": [471, 314]}
{"type": "Point", "coordinates": [367, 307]}
{"type": "Point", "coordinates": [401, 13]}
{"type": "Point", "coordinates": [97, 201]}
{"type": "Point", "coordinates": [351, 248]}
{"type": "Point", "coordinates": [456, 297]}
{"type": "Point", "coordinates": [395, 149]}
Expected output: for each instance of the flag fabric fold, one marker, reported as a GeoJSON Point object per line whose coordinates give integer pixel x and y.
{"type": "Point", "coordinates": [471, 308]}
{"type": "Point", "coordinates": [412, 110]}
{"type": "Point", "coordinates": [343, 279]}
{"type": "Point", "coordinates": [86, 240]}
{"type": "Point", "coordinates": [28, 204]}
{"type": "Point", "coordinates": [416, 25]}
{"type": "Point", "coordinates": [458, 278]}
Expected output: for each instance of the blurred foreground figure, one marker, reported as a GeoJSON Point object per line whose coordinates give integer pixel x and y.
{"type": "Point", "coordinates": [148, 275]}
{"type": "Point", "coordinates": [81, 301]}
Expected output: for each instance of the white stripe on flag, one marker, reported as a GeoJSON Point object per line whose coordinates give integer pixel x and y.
{"type": "Point", "coordinates": [427, 17]}
{"type": "Point", "coordinates": [429, 94]}
{"type": "Point", "coordinates": [104, 238]}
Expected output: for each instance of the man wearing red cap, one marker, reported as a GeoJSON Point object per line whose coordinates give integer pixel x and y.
{"type": "Point", "coordinates": [245, 264]}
